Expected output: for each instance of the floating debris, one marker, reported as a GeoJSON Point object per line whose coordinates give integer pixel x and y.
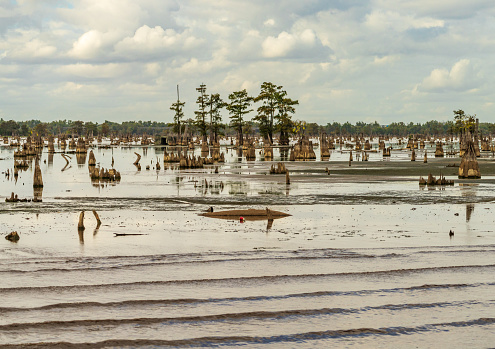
{"type": "Point", "coordinates": [13, 236]}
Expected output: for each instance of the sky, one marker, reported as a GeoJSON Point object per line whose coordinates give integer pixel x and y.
{"type": "Point", "coordinates": [343, 60]}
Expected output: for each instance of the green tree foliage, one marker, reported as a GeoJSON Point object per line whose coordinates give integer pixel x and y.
{"type": "Point", "coordinates": [77, 127]}
{"type": "Point", "coordinates": [91, 128]}
{"type": "Point", "coordinates": [8, 128]}
{"type": "Point", "coordinates": [201, 113]}
{"type": "Point", "coordinates": [215, 104]}
{"type": "Point", "coordinates": [275, 106]}
{"type": "Point", "coordinates": [24, 130]}
{"type": "Point", "coordinates": [285, 107]}
{"type": "Point", "coordinates": [179, 114]}
{"type": "Point", "coordinates": [269, 97]}
{"type": "Point", "coordinates": [105, 129]}
{"type": "Point", "coordinates": [238, 107]}
{"type": "Point", "coordinates": [299, 127]}
{"type": "Point", "coordinates": [40, 130]}
{"type": "Point", "coordinates": [464, 122]}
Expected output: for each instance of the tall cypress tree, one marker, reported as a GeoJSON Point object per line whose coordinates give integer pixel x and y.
{"type": "Point", "coordinates": [238, 107]}
{"type": "Point", "coordinates": [201, 113]}
{"type": "Point", "coordinates": [179, 114]}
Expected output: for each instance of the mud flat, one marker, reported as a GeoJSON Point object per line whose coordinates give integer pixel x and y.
{"type": "Point", "coordinates": [364, 257]}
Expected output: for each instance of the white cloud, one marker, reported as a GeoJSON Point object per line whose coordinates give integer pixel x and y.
{"type": "Point", "coordinates": [438, 8]}
{"type": "Point", "coordinates": [385, 60]}
{"type": "Point", "coordinates": [279, 46]}
{"type": "Point", "coordinates": [155, 40]}
{"type": "Point", "coordinates": [104, 15]}
{"type": "Point", "coordinates": [285, 43]}
{"type": "Point", "coordinates": [27, 45]}
{"type": "Point", "coordinates": [389, 20]}
{"type": "Point", "coordinates": [37, 48]}
{"type": "Point", "coordinates": [92, 71]}
{"type": "Point", "coordinates": [456, 78]}
{"type": "Point", "coordinates": [269, 22]}
{"type": "Point", "coordinates": [68, 87]}
{"type": "Point", "coordinates": [88, 45]}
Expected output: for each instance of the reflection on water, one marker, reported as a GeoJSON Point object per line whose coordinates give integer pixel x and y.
{"type": "Point", "coordinates": [81, 159]}
{"type": "Point", "coordinates": [80, 233]}
{"type": "Point", "coordinates": [469, 211]}
{"type": "Point", "coordinates": [269, 224]}
{"type": "Point", "coordinates": [238, 188]}
{"type": "Point", "coordinates": [38, 193]}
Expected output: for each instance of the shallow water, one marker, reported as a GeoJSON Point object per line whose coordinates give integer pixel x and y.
{"type": "Point", "coordinates": [362, 263]}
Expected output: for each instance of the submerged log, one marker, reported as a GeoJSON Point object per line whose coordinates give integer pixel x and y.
{"type": "Point", "coordinates": [248, 214]}
{"type": "Point", "coordinates": [138, 159]}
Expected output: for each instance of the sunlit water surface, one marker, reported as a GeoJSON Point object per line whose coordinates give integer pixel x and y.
{"type": "Point", "coordinates": [362, 264]}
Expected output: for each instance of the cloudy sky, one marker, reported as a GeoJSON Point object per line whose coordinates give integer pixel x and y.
{"type": "Point", "coordinates": [344, 60]}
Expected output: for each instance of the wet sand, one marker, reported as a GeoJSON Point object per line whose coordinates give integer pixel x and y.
{"type": "Point", "coordinates": [365, 259]}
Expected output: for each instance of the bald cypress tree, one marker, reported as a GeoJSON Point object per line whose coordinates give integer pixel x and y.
{"type": "Point", "coordinates": [201, 113]}
{"type": "Point", "coordinates": [275, 107]}
{"type": "Point", "coordinates": [285, 108]}
{"type": "Point", "coordinates": [266, 112]}
{"type": "Point", "coordinates": [215, 104]}
{"type": "Point", "coordinates": [238, 107]}
{"type": "Point", "coordinates": [179, 114]}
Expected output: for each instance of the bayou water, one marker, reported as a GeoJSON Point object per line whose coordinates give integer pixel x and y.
{"type": "Point", "coordinates": [364, 260]}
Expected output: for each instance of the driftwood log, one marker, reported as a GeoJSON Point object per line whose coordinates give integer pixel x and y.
{"type": "Point", "coordinates": [98, 221]}
{"type": "Point", "coordinates": [138, 159]}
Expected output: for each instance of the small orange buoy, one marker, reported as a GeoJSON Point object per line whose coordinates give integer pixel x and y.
{"type": "Point", "coordinates": [241, 219]}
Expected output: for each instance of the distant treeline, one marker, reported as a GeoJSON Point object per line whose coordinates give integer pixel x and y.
{"type": "Point", "coordinates": [69, 127]}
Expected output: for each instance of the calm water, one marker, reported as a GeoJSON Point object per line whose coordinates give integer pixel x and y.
{"type": "Point", "coordinates": [364, 264]}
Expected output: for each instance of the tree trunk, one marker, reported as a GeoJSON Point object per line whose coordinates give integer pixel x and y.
{"type": "Point", "coordinates": [241, 139]}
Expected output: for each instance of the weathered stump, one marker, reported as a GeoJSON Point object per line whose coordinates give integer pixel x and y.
{"type": "Point", "coordinates": [80, 225]}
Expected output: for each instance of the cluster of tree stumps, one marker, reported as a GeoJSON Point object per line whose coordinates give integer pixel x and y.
{"type": "Point", "coordinates": [302, 150]}
{"type": "Point", "coordinates": [189, 162]}
{"type": "Point", "coordinates": [98, 174]}
{"type": "Point", "coordinates": [432, 180]}
{"type": "Point", "coordinates": [15, 198]}
{"type": "Point", "coordinates": [104, 175]}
